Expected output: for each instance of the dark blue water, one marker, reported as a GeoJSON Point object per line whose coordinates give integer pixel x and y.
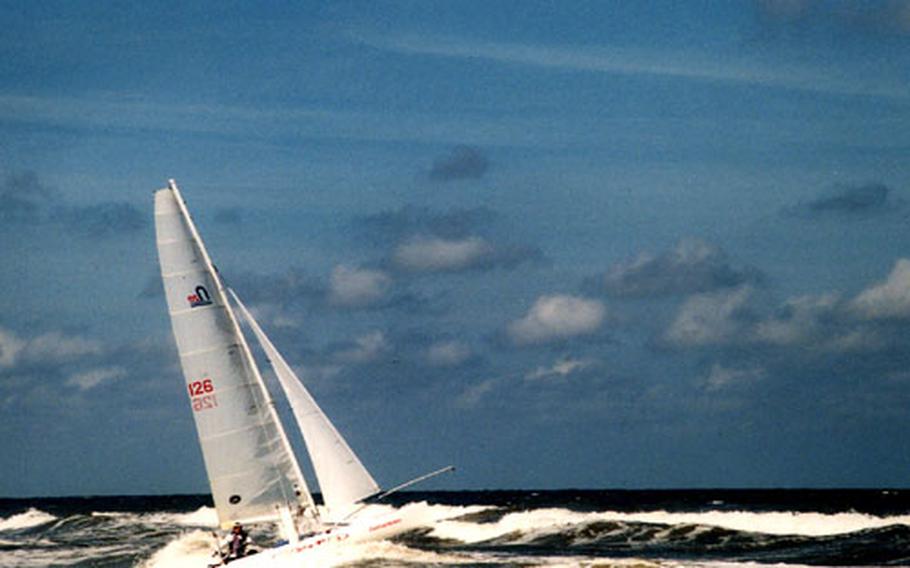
{"type": "Point", "coordinates": [501, 528]}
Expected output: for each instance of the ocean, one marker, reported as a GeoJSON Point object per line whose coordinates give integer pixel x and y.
{"type": "Point", "coordinates": [632, 529]}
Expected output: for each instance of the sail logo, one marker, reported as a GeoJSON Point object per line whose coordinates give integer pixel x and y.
{"type": "Point", "coordinates": [200, 297]}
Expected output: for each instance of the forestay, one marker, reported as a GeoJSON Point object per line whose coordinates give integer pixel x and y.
{"type": "Point", "coordinates": [343, 480]}
{"type": "Point", "coordinates": [253, 473]}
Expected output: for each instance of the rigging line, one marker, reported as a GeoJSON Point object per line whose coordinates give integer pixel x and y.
{"type": "Point", "coordinates": [397, 488]}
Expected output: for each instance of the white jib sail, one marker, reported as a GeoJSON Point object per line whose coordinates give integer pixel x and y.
{"type": "Point", "coordinates": [343, 480]}
{"type": "Point", "coordinates": [251, 468]}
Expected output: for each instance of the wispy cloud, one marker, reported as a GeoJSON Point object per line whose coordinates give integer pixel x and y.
{"type": "Point", "coordinates": [364, 349]}
{"type": "Point", "coordinates": [879, 17]}
{"type": "Point", "coordinates": [25, 199]}
{"type": "Point", "coordinates": [126, 114]}
{"type": "Point", "coordinates": [463, 162]}
{"type": "Point", "coordinates": [448, 353]}
{"type": "Point", "coordinates": [721, 377]}
{"type": "Point", "coordinates": [848, 200]}
{"type": "Point", "coordinates": [560, 369]}
{"type": "Point", "coordinates": [629, 61]}
{"type": "Point", "coordinates": [90, 379]}
{"type": "Point", "coordinates": [50, 347]}
{"type": "Point", "coordinates": [397, 225]}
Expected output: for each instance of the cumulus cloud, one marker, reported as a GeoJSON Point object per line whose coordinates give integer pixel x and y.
{"type": "Point", "coordinates": [710, 318]}
{"type": "Point", "coordinates": [353, 287]}
{"type": "Point", "coordinates": [824, 323]}
{"type": "Point", "coordinates": [805, 324]}
{"type": "Point", "coordinates": [800, 320]}
{"type": "Point", "coordinates": [432, 254]}
{"type": "Point", "coordinates": [463, 162]}
{"type": "Point", "coordinates": [91, 379]}
{"type": "Point", "coordinates": [889, 299]}
{"type": "Point", "coordinates": [692, 266]}
{"type": "Point", "coordinates": [557, 317]}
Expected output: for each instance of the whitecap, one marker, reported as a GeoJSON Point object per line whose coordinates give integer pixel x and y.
{"type": "Point", "coordinates": [30, 518]}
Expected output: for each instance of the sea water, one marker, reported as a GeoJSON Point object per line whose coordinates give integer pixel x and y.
{"type": "Point", "coordinates": [712, 528]}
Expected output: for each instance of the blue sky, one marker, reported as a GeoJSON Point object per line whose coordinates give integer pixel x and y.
{"type": "Point", "coordinates": [591, 244]}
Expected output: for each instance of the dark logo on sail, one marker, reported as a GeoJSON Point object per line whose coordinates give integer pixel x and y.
{"type": "Point", "coordinates": [201, 297]}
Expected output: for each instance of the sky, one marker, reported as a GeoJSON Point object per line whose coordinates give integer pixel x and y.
{"type": "Point", "coordinates": [556, 244]}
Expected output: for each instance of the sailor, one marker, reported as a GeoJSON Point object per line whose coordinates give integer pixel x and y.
{"type": "Point", "coordinates": [236, 543]}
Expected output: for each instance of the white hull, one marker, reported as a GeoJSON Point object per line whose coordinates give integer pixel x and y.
{"type": "Point", "coordinates": [317, 549]}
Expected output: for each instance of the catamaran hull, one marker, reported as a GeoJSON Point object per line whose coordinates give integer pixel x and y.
{"type": "Point", "coordinates": [316, 549]}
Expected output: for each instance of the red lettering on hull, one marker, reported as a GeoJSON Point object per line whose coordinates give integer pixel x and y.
{"type": "Point", "coordinates": [385, 525]}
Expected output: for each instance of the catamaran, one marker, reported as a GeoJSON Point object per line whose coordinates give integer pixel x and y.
{"type": "Point", "coordinates": [253, 472]}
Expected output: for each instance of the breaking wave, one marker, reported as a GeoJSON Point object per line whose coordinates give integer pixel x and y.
{"type": "Point", "coordinates": [467, 529]}
{"type": "Point", "coordinates": [30, 518]}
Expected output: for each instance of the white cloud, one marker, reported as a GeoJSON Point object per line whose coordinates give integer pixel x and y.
{"type": "Point", "coordinates": [889, 299]}
{"type": "Point", "coordinates": [433, 254]}
{"type": "Point", "coordinates": [448, 353]}
{"type": "Point", "coordinates": [91, 379]}
{"type": "Point", "coordinates": [802, 322]}
{"type": "Point", "coordinates": [557, 317]}
{"type": "Point", "coordinates": [472, 396]}
{"type": "Point", "coordinates": [708, 319]}
{"type": "Point", "coordinates": [56, 346]}
{"type": "Point", "coordinates": [366, 348]}
{"type": "Point", "coordinates": [629, 61]}
{"type": "Point", "coordinates": [274, 315]}
{"type": "Point", "coordinates": [561, 369]}
{"type": "Point", "coordinates": [357, 287]}
{"type": "Point", "coordinates": [10, 348]}
{"type": "Point", "coordinates": [48, 347]}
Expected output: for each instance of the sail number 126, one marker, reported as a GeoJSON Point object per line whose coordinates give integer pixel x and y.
{"type": "Point", "coordinates": [202, 395]}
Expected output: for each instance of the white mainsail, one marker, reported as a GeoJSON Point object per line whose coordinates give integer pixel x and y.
{"type": "Point", "coordinates": [253, 473]}
{"type": "Point", "coordinates": [343, 480]}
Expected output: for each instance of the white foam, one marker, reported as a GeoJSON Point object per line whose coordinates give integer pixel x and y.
{"type": "Point", "coordinates": [776, 523]}
{"type": "Point", "coordinates": [526, 525]}
{"type": "Point", "coordinates": [205, 517]}
{"type": "Point", "coordinates": [191, 550]}
{"type": "Point", "coordinates": [31, 518]}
